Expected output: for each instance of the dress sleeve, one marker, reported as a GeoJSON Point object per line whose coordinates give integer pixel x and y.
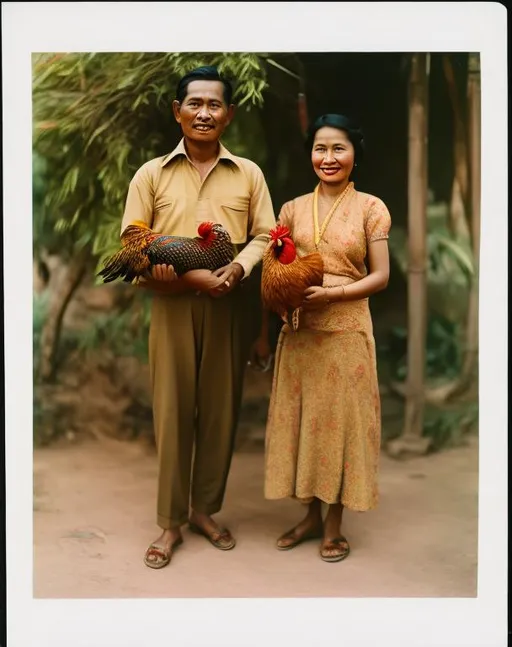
{"type": "Point", "coordinates": [286, 215]}
{"type": "Point", "coordinates": [377, 222]}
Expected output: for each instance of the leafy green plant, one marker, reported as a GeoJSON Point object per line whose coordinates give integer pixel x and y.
{"type": "Point", "coordinates": [443, 351]}
{"type": "Point", "coordinates": [39, 309]}
{"type": "Point", "coordinates": [97, 118]}
{"type": "Point", "coordinates": [450, 265]}
{"type": "Point", "coordinates": [123, 333]}
{"type": "Point", "coordinates": [450, 275]}
{"type": "Point", "coordinates": [46, 414]}
{"type": "Point", "coordinates": [120, 332]}
{"type": "Point", "coordinates": [450, 427]}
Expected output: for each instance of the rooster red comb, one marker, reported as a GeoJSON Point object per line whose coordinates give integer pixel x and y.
{"type": "Point", "coordinates": [205, 229]}
{"type": "Point", "coordinates": [279, 232]}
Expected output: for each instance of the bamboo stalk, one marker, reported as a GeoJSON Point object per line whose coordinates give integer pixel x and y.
{"type": "Point", "coordinates": [412, 439]}
{"type": "Point", "coordinates": [466, 379]}
{"type": "Point", "coordinates": [460, 136]}
{"type": "Point", "coordinates": [303, 113]}
{"type": "Point", "coordinates": [417, 237]}
{"type": "Point", "coordinates": [474, 110]}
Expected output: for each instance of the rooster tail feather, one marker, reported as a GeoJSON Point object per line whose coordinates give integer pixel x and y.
{"type": "Point", "coordinates": [131, 260]}
{"type": "Point", "coordinates": [136, 233]}
{"type": "Point", "coordinates": [113, 267]}
{"type": "Point", "coordinates": [127, 263]}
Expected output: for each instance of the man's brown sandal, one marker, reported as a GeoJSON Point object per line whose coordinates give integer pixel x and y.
{"type": "Point", "coordinates": [161, 555]}
{"type": "Point", "coordinates": [221, 539]}
{"type": "Point", "coordinates": [297, 539]}
{"type": "Point", "coordinates": [335, 550]}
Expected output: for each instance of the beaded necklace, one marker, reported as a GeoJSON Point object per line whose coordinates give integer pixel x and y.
{"type": "Point", "coordinates": [319, 232]}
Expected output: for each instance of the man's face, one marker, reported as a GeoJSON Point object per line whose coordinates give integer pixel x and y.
{"type": "Point", "coordinates": [203, 114]}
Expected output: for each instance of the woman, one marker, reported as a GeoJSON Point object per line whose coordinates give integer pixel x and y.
{"type": "Point", "coordinates": [323, 429]}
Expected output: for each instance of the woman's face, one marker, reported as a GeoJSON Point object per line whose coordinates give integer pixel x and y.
{"type": "Point", "coordinates": [332, 155]}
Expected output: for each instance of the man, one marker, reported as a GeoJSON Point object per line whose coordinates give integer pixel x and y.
{"type": "Point", "coordinates": [198, 343]}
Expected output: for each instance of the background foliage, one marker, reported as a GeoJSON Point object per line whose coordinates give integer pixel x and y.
{"type": "Point", "coordinates": [98, 117]}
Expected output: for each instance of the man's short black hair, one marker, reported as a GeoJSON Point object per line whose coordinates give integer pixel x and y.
{"type": "Point", "coordinates": [204, 73]}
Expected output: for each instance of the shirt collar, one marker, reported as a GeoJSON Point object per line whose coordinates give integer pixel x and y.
{"type": "Point", "coordinates": [180, 150]}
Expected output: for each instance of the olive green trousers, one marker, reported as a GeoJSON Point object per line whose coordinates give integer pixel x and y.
{"type": "Point", "coordinates": [198, 350]}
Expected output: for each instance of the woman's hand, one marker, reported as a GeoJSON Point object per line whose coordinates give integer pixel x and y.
{"type": "Point", "coordinates": [315, 297]}
{"type": "Point", "coordinates": [261, 353]}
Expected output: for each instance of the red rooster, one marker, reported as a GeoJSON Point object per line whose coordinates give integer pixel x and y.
{"type": "Point", "coordinates": [142, 248]}
{"type": "Point", "coordinates": [285, 276]}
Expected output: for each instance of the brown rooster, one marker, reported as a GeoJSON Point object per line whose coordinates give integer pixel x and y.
{"type": "Point", "coordinates": [285, 276]}
{"type": "Point", "coordinates": [142, 248]}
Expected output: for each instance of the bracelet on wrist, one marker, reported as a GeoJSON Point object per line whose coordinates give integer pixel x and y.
{"type": "Point", "coordinates": [340, 298]}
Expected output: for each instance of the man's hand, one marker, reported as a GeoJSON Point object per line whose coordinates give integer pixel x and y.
{"type": "Point", "coordinates": [164, 273]}
{"type": "Point", "coordinates": [229, 277]}
{"type": "Point", "coordinates": [162, 279]}
{"type": "Point", "coordinates": [201, 280]}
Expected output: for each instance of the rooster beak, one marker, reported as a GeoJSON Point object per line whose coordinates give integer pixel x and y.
{"type": "Point", "coordinates": [279, 242]}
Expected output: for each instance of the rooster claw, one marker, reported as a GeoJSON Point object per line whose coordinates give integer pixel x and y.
{"type": "Point", "coordinates": [295, 319]}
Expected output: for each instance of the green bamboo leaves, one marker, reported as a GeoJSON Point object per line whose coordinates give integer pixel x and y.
{"type": "Point", "coordinates": [97, 117]}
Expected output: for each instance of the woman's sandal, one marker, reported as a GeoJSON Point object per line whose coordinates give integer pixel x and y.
{"type": "Point", "coordinates": [162, 555]}
{"type": "Point", "coordinates": [339, 546]}
{"type": "Point", "coordinates": [221, 539]}
{"type": "Point", "coordinates": [298, 539]}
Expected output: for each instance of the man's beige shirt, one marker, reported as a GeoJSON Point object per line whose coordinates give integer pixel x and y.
{"type": "Point", "coordinates": [167, 194]}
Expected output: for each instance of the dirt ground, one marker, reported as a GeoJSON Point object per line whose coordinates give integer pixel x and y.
{"type": "Point", "coordinates": [94, 515]}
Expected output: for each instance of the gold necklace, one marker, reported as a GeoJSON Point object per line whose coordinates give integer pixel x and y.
{"type": "Point", "coordinates": [320, 232]}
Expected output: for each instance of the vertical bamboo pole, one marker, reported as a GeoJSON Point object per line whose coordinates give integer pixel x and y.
{"type": "Point", "coordinates": [475, 147]}
{"type": "Point", "coordinates": [302, 103]}
{"type": "Point", "coordinates": [474, 118]}
{"type": "Point", "coordinates": [303, 113]}
{"type": "Point", "coordinates": [459, 210]}
{"type": "Point", "coordinates": [411, 440]}
{"type": "Point", "coordinates": [467, 379]}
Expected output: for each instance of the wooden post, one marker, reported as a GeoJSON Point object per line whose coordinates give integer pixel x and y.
{"type": "Point", "coordinates": [302, 100]}
{"type": "Point", "coordinates": [303, 113]}
{"type": "Point", "coordinates": [475, 148]}
{"type": "Point", "coordinates": [459, 211]}
{"type": "Point", "coordinates": [474, 118]}
{"type": "Point", "coordinates": [412, 440]}
{"type": "Point", "coordinates": [466, 382]}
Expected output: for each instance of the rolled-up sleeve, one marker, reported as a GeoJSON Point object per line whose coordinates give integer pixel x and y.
{"type": "Point", "coordinates": [261, 221]}
{"type": "Point", "coordinates": [139, 201]}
